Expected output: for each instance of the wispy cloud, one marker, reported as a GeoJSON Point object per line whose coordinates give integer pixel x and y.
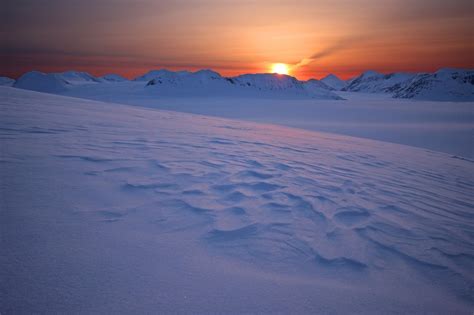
{"type": "Point", "coordinates": [336, 47]}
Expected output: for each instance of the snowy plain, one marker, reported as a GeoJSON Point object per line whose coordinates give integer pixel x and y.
{"type": "Point", "coordinates": [440, 126]}
{"type": "Point", "coordinates": [109, 208]}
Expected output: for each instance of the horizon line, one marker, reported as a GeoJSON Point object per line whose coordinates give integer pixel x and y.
{"type": "Point", "coordinates": [232, 76]}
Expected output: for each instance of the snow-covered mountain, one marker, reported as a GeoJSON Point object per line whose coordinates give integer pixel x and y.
{"type": "Point", "coordinates": [285, 83]}
{"type": "Point", "coordinates": [78, 77]}
{"type": "Point", "coordinates": [165, 83]}
{"type": "Point", "coordinates": [318, 84]}
{"type": "Point", "coordinates": [334, 82]}
{"type": "Point", "coordinates": [374, 82]}
{"type": "Point", "coordinates": [150, 75]}
{"type": "Point", "coordinates": [443, 85]}
{"type": "Point", "coordinates": [200, 83]}
{"type": "Point", "coordinates": [269, 81]}
{"type": "Point", "coordinates": [42, 82]}
{"type": "Point", "coordinates": [183, 78]}
{"type": "Point", "coordinates": [54, 82]}
{"type": "Point", "coordinates": [6, 81]}
{"type": "Point", "coordinates": [319, 88]}
{"type": "Point", "coordinates": [112, 77]}
{"type": "Point", "coordinates": [109, 208]}
{"type": "Point", "coordinates": [208, 82]}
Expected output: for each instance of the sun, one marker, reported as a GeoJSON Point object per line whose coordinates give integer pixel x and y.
{"type": "Point", "coordinates": [280, 68]}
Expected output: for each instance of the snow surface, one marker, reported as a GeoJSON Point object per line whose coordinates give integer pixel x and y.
{"type": "Point", "coordinates": [440, 126]}
{"type": "Point", "coordinates": [107, 208]}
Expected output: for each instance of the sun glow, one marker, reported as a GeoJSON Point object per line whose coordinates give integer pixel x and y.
{"type": "Point", "coordinates": [280, 68]}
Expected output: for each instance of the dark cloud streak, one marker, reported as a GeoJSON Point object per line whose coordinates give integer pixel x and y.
{"type": "Point", "coordinates": [338, 46]}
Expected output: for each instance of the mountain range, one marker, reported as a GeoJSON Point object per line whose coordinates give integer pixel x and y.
{"type": "Point", "coordinates": [442, 85]}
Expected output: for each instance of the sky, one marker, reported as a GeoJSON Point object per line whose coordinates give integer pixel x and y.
{"type": "Point", "coordinates": [232, 37]}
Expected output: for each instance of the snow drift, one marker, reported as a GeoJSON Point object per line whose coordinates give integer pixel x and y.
{"type": "Point", "coordinates": [110, 208]}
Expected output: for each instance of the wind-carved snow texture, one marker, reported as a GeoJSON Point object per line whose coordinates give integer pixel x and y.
{"type": "Point", "coordinates": [354, 212]}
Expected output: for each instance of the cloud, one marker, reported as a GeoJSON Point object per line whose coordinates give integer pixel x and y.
{"type": "Point", "coordinates": [339, 45]}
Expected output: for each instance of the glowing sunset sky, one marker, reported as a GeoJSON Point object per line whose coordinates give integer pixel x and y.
{"type": "Point", "coordinates": [232, 37]}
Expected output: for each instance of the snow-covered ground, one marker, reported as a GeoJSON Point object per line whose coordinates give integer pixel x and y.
{"type": "Point", "coordinates": [108, 208]}
{"type": "Point", "coordinates": [440, 126]}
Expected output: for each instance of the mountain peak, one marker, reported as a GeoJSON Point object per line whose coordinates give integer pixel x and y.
{"type": "Point", "coordinates": [333, 81]}
{"type": "Point", "coordinates": [331, 76]}
{"type": "Point", "coordinates": [370, 73]}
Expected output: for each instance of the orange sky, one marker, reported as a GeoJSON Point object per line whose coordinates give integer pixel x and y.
{"type": "Point", "coordinates": [233, 37]}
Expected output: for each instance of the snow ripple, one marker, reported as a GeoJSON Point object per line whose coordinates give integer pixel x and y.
{"type": "Point", "coordinates": [274, 197]}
